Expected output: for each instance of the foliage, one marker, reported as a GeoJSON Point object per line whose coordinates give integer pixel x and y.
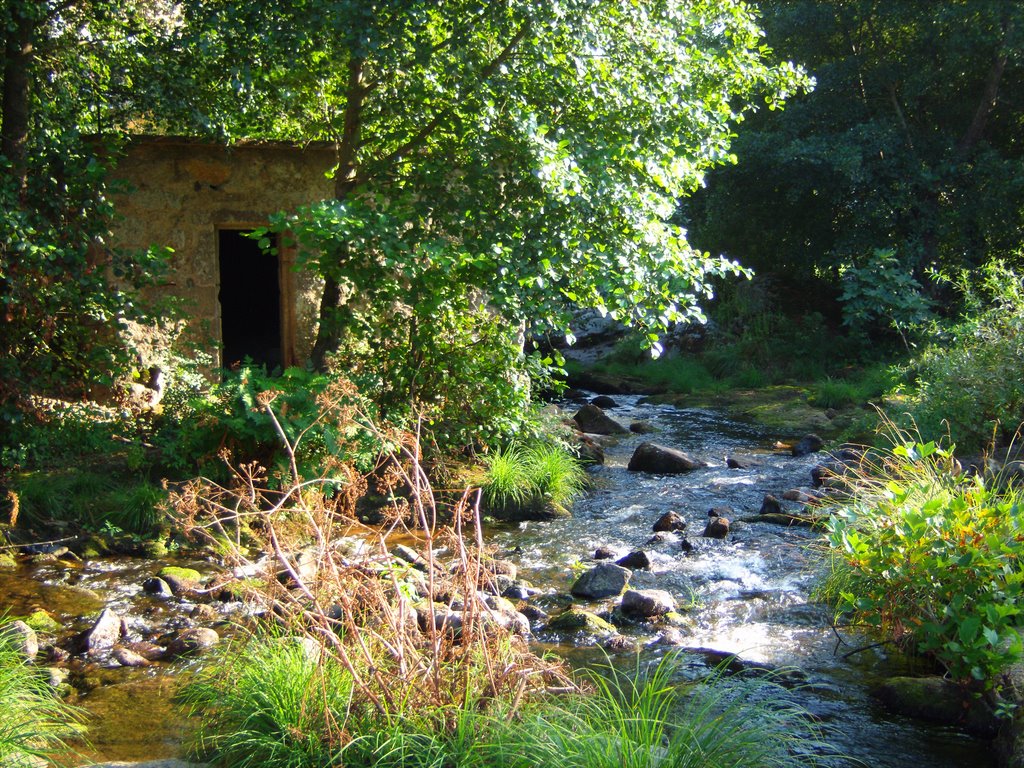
{"type": "Point", "coordinates": [968, 380]}
{"type": "Point", "coordinates": [63, 290]}
{"type": "Point", "coordinates": [231, 423]}
{"type": "Point", "coordinates": [368, 683]}
{"type": "Point", "coordinates": [497, 162]}
{"type": "Point", "coordinates": [857, 387]}
{"type": "Point", "coordinates": [883, 289]}
{"type": "Point", "coordinates": [930, 557]}
{"type": "Point", "coordinates": [92, 498]}
{"type": "Point", "coordinates": [33, 720]}
{"type": "Point", "coordinates": [271, 703]}
{"type": "Point", "coordinates": [908, 145]}
{"type": "Point", "coordinates": [530, 477]}
{"type": "Point", "coordinates": [282, 706]}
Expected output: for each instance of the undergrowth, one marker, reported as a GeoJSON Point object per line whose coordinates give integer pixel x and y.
{"type": "Point", "coordinates": [402, 660]}
{"type": "Point", "coordinates": [929, 557]}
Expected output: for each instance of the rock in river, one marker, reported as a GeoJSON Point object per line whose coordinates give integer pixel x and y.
{"type": "Point", "coordinates": [670, 521]}
{"type": "Point", "coordinates": [808, 444]}
{"type": "Point", "coordinates": [192, 641]}
{"type": "Point", "coordinates": [108, 629]}
{"type": "Point", "coordinates": [646, 603]}
{"type": "Point", "coordinates": [662, 460]}
{"type": "Point", "coordinates": [603, 580]}
{"type": "Point", "coordinates": [638, 560]}
{"type": "Point", "coordinates": [717, 528]}
{"type": "Point", "coordinates": [592, 419]}
{"type": "Point", "coordinates": [578, 620]}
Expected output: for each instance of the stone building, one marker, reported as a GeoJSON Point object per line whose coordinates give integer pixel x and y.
{"type": "Point", "coordinates": [200, 199]}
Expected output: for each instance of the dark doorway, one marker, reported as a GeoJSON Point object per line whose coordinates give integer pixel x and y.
{"type": "Point", "coordinates": [250, 301]}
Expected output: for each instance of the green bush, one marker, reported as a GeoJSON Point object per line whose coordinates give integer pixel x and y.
{"type": "Point", "coordinates": [270, 704]}
{"type": "Point", "coordinates": [33, 720]}
{"type": "Point", "coordinates": [232, 422]}
{"type": "Point", "coordinates": [931, 558]}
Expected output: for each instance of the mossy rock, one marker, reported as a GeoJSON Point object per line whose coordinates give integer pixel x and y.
{"type": "Point", "coordinates": [179, 579]}
{"type": "Point", "coordinates": [577, 620]}
{"type": "Point", "coordinates": [7, 561]}
{"type": "Point", "coordinates": [178, 572]}
{"type": "Point", "coordinates": [154, 549]}
{"type": "Point", "coordinates": [677, 620]}
{"type": "Point", "coordinates": [41, 621]}
{"type": "Point", "coordinates": [940, 701]}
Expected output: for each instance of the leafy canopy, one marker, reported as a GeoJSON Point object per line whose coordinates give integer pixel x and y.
{"type": "Point", "coordinates": [534, 151]}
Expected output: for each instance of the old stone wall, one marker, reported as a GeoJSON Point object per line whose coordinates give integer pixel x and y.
{"type": "Point", "coordinates": [181, 193]}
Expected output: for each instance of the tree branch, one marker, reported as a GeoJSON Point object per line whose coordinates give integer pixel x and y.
{"type": "Point", "coordinates": [989, 94]}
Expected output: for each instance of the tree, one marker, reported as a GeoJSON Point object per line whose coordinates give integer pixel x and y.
{"type": "Point", "coordinates": [908, 146]}
{"type": "Point", "coordinates": [496, 160]}
{"type": "Point", "coordinates": [67, 70]}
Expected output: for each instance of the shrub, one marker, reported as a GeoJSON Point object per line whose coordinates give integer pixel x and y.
{"type": "Point", "coordinates": [968, 381]}
{"type": "Point", "coordinates": [33, 720]}
{"type": "Point", "coordinates": [930, 557]}
{"type": "Point", "coordinates": [313, 412]}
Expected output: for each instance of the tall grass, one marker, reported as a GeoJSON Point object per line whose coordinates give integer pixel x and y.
{"type": "Point", "coordinates": [526, 479]}
{"type": "Point", "coordinates": [33, 720]}
{"type": "Point", "coordinates": [642, 718]}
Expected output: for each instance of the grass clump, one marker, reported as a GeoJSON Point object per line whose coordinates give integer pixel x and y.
{"type": "Point", "coordinates": [858, 388]}
{"type": "Point", "coordinates": [533, 479]}
{"type": "Point", "coordinates": [641, 718]}
{"type": "Point", "coordinates": [90, 498]}
{"type": "Point", "coordinates": [33, 720]}
{"type": "Point", "coordinates": [930, 558]}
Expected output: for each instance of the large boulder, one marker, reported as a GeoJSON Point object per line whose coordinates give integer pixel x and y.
{"type": "Point", "coordinates": [603, 580]}
{"type": "Point", "coordinates": [647, 603]}
{"type": "Point", "coordinates": [662, 460]}
{"type": "Point", "coordinates": [592, 419]}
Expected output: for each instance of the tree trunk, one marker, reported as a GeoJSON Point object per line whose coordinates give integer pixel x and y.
{"type": "Point", "coordinates": [346, 180]}
{"type": "Point", "coordinates": [14, 109]}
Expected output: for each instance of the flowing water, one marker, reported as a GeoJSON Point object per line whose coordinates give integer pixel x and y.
{"type": "Point", "coordinates": [751, 592]}
{"type": "Point", "coordinates": [747, 595]}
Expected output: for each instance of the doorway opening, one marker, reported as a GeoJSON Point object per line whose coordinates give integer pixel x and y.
{"type": "Point", "coordinates": [250, 301]}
